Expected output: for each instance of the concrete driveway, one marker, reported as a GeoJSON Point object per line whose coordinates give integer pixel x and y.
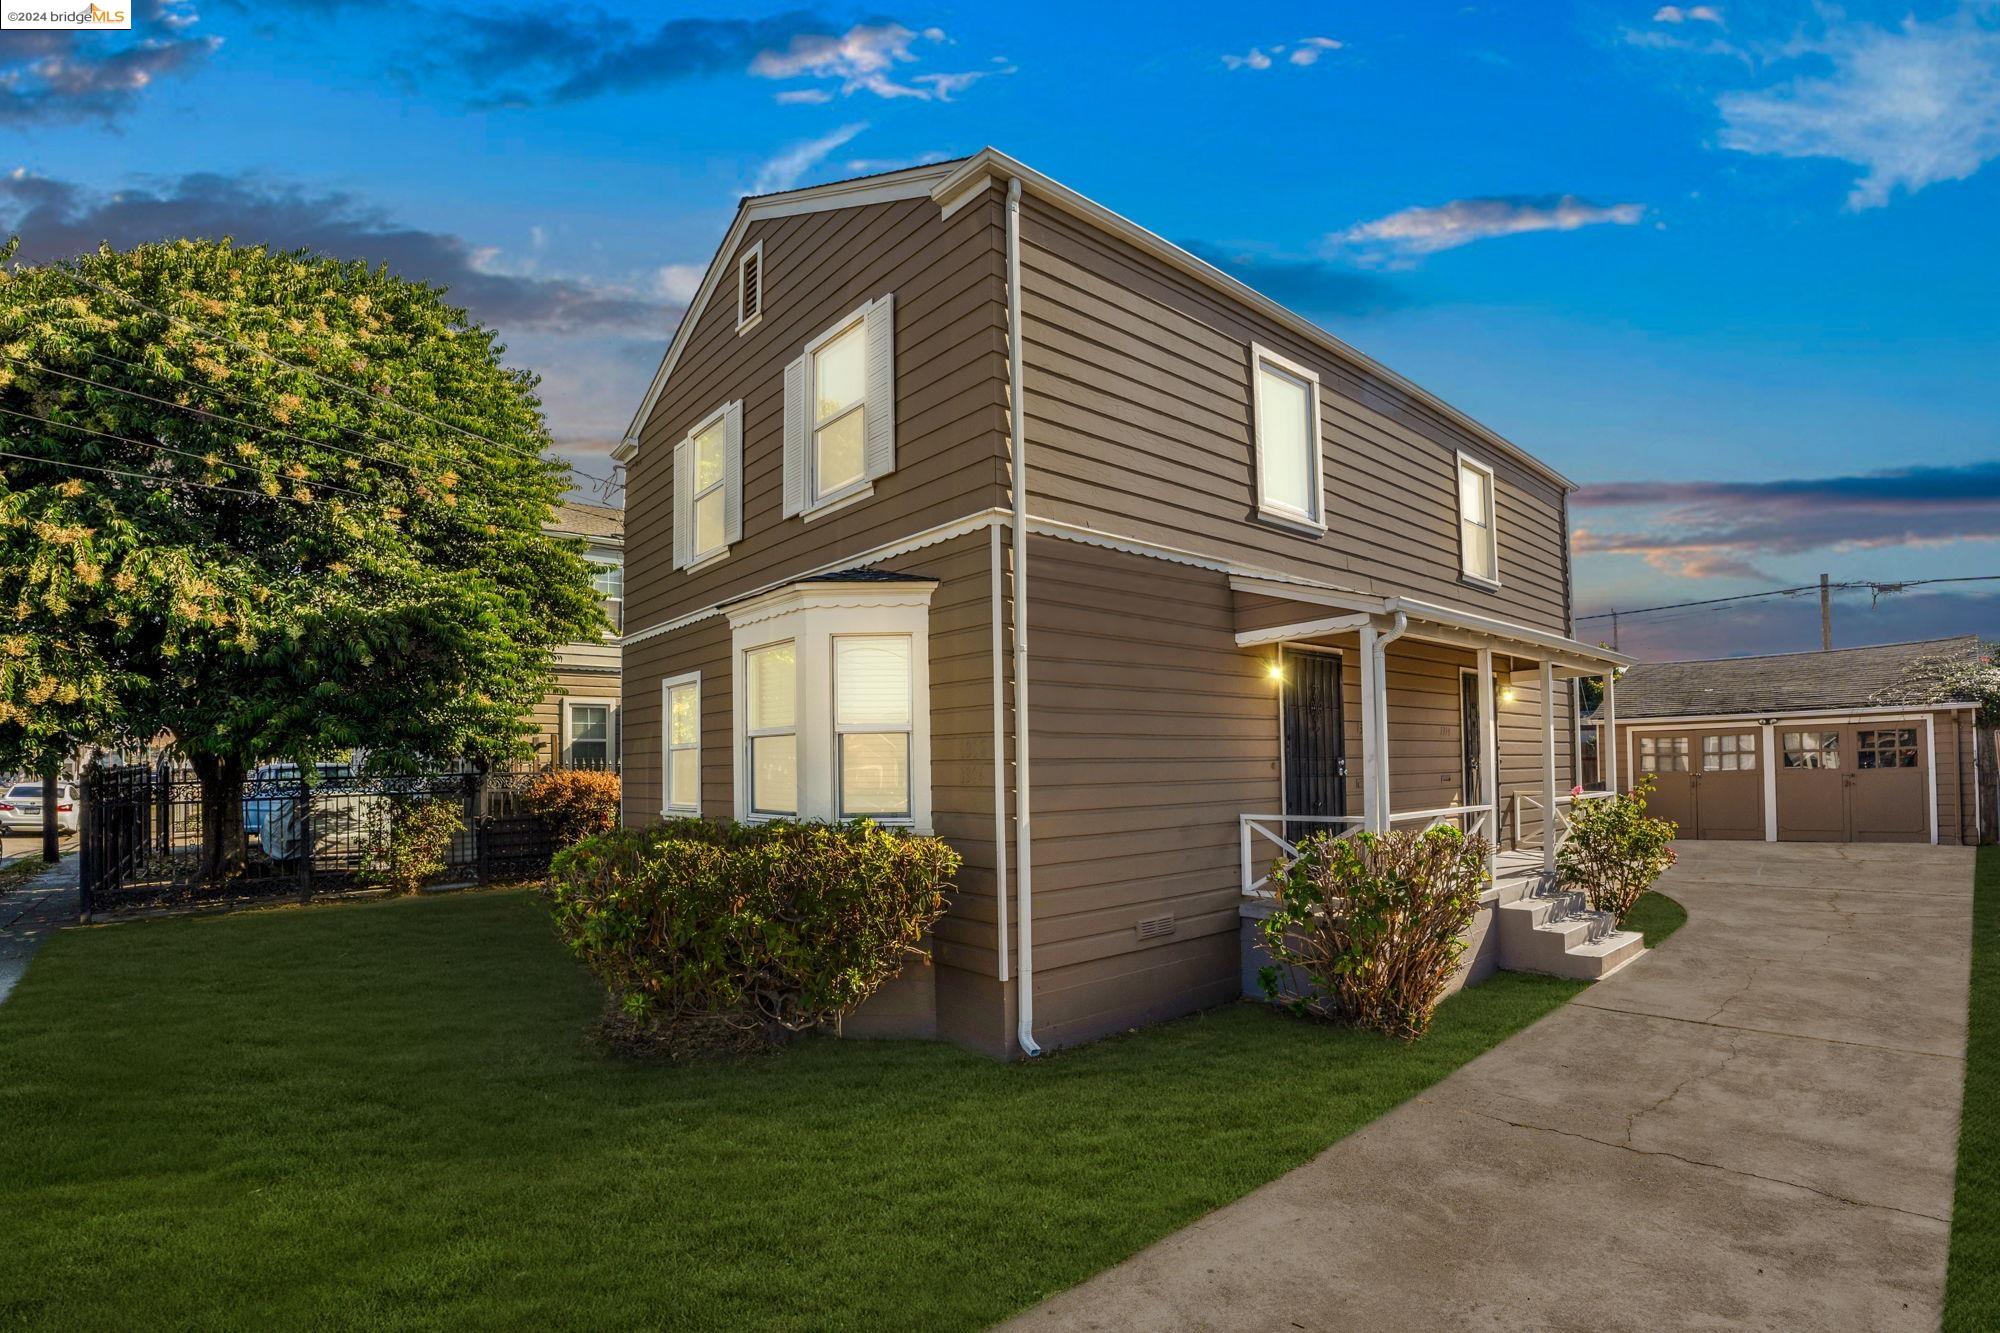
{"type": "Point", "coordinates": [1753, 1126]}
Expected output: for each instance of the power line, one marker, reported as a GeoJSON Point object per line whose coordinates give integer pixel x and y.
{"type": "Point", "coordinates": [181, 482]}
{"type": "Point", "coordinates": [203, 459]}
{"type": "Point", "coordinates": [1879, 588]}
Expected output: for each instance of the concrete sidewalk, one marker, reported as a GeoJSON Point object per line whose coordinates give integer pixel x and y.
{"type": "Point", "coordinates": [30, 914]}
{"type": "Point", "coordinates": [1753, 1126]}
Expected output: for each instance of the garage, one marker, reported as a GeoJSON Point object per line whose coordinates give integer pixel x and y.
{"type": "Point", "coordinates": [1804, 747]}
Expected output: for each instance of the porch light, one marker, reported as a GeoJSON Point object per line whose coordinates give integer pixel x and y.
{"type": "Point", "coordinates": [1508, 694]}
{"type": "Point", "coordinates": [1275, 669]}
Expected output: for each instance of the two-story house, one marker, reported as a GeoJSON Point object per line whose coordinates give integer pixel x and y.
{"type": "Point", "coordinates": [961, 502]}
{"type": "Point", "coordinates": [576, 726]}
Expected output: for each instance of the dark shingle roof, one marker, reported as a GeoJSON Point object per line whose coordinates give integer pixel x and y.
{"type": "Point", "coordinates": [588, 520]}
{"type": "Point", "coordinates": [868, 576]}
{"type": "Point", "coordinates": [1783, 683]}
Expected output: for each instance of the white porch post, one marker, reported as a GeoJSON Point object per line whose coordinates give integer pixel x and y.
{"type": "Point", "coordinates": [1370, 755]}
{"type": "Point", "coordinates": [1548, 765]}
{"type": "Point", "coordinates": [1489, 756]}
{"type": "Point", "coordinates": [1607, 734]}
{"type": "Point", "coordinates": [1386, 804]}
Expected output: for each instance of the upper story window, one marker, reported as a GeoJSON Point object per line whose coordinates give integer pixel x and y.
{"type": "Point", "coordinates": [708, 488]}
{"type": "Point", "coordinates": [840, 405]}
{"type": "Point", "coordinates": [1285, 422]}
{"type": "Point", "coordinates": [840, 412]}
{"type": "Point", "coordinates": [1478, 550]}
{"type": "Point", "coordinates": [750, 288]}
{"type": "Point", "coordinates": [607, 577]}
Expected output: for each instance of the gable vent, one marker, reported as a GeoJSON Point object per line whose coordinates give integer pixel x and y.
{"type": "Point", "coordinates": [1156, 927]}
{"type": "Point", "coordinates": [750, 287]}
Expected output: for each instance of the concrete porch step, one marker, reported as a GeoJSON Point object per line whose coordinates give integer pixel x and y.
{"type": "Point", "coordinates": [1547, 930]}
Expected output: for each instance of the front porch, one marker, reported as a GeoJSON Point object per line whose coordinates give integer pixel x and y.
{"type": "Point", "coordinates": [1457, 718]}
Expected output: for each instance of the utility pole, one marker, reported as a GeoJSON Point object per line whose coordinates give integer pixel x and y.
{"type": "Point", "coordinates": [1825, 616]}
{"type": "Point", "coordinates": [1614, 631]}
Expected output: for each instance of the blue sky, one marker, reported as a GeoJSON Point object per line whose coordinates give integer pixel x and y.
{"type": "Point", "coordinates": [1731, 267]}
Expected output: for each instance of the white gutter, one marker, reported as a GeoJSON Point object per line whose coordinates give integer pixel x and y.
{"type": "Point", "coordinates": [999, 762]}
{"type": "Point", "coordinates": [1396, 631]}
{"type": "Point", "coordinates": [1024, 866]}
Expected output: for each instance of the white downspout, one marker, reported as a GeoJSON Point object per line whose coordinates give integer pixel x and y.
{"type": "Point", "coordinates": [999, 761]}
{"type": "Point", "coordinates": [1382, 642]}
{"type": "Point", "coordinates": [1017, 404]}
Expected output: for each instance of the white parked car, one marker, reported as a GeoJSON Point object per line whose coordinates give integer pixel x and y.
{"type": "Point", "coordinates": [21, 808]}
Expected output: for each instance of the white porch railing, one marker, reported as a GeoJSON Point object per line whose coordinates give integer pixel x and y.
{"type": "Point", "coordinates": [1564, 803]}
{"type": "Point", "coordinates": [1479, 823]}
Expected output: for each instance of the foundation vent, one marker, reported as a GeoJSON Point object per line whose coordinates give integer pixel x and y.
{"type": "Point", "coordinates": [1156, 927]}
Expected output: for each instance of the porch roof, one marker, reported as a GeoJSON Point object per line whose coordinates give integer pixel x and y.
{"type": "Point", "coordinates": [1323, 610]}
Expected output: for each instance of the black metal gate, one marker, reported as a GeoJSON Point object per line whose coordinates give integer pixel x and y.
{"type": "Point", "coordinates": [305, 833]}
{"type": "Point", "coordinates": [1315, 760]}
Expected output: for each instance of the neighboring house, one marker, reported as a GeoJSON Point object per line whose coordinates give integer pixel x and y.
{"type": "Point", "coordinates": [1829, 746]}
{"type": "Point", "coordinates": [577, 725]}
{"type": "Point", "coordinates": [1189, 573]}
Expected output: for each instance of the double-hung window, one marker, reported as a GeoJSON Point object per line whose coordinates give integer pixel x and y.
{"type": "Point", "coordinates": [589, 735]}
{"type": "Point", "coordinates": [1478, 552]}
{"type": "Point", "coordinates": [840, 408]}
{"type": "Point", "coordinates": [771, 758]}
{"type": "Point", "coordinates": [1285, 422]}
{"type": "Point", "coordinates": [680, 703]}
{"type": "Point", "coordinates": [708, 487]}
{"type": "Point", "coordinates": [607, 578]}
{"type": "Point", "coordinates": [871, 723]}
{"type": "Point", "coordinates": [840, 411]}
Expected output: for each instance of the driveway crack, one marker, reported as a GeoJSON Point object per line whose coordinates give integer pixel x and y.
{"type": "Point", "coordinates": [1711, 1166]}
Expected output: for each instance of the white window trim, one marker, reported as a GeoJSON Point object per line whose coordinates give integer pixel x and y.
{"type": "Point", "coordinates": [810, 616]}
{"type": "Point", "coordinates": [667, 746]}
{"type": "Point", "coordinates": [908, 729]}
{"type": "Point", "coordinates": [816, 502]}
{"type": "Point", "coordinates": [1284, 515]}
{"type": "Point", "coordinates": [745, 734]}
{"type": "Point", "coordinates": [1466, 460]}
{"type": "Point", "coordinates": [696, 557]}
{"type": "Point", "coordinates": [755, 252]}
{"type": "Point", "coordinates": [570, 705]}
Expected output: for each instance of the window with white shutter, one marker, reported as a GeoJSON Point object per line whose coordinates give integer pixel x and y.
{"type": "Point", "coordinates": [708, 488]}
{"type": "Point", "coordinates": [840, 406]}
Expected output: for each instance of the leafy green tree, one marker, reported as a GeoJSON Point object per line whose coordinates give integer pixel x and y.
{"type": "Point", "coordinates": [271, 505]}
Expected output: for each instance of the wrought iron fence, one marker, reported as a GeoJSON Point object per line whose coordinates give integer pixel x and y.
{"type": "Point", "coordinates": [145, 836]}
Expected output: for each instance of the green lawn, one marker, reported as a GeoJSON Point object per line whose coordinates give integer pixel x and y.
{"type": "Point", "coordinates": [1655, 916]}
{"type": "Point", "coordinates": [1972, 1285]}
{"type": "Point", "coordinates": [386, 1113]}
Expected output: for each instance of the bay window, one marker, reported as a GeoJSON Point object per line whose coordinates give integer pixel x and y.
{"type": "Point", "coordinates": [832, 700]}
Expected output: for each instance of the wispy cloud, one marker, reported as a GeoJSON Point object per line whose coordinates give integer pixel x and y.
{"type": "Point", "coordinates": [865, 58]}
{"type": "Point", "coordinates": [1911, 105]}
{"type": "Point", "coordinates": [1305, 51]}
{"type": "Point", "coordinates": [788, 168]}
{"type": "Point", "coordinates": [48, 76]}
{"type": "Point", "coordinates": [1689, 14]}
{"type": "Point", "coordinates": [1415, 232]}
{"type": "Point", "coordinates": [56, 218]}
{"type": "Point", "coordinates": [1722, 529]}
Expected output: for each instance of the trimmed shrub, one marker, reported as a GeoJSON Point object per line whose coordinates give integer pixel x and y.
{"type": "Point", "coordinates": [718, 935]}
{"type": "Point", "coordinates": [412, 853]}
{"type": "Point", "coordinates": [1373, 924]}
{"type": "Point", "coordinates": [1615, 849]}
{"type": "Point", "coordinates": [574, 802]}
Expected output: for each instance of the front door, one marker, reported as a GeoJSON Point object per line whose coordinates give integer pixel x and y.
{"type": "Point", "coordinates": [1315, 766]}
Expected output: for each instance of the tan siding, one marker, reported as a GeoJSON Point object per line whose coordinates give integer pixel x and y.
{"type": "Point", "coordinates": [1139, 383]}
{"type": "Point", "coordinates": [948, 281]}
